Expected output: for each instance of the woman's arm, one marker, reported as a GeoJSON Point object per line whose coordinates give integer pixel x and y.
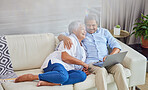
{"type": "Point", "coordinates": [71, 60]}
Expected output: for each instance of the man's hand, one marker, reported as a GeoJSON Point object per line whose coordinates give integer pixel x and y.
{"type": "Point", "coordinates": [86, 71]}
{"type": "Point", "coordinates": [104, 58]}
{"type": "Point", "coordinates": [67, 42]}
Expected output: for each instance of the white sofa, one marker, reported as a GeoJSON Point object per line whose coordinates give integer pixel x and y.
{"type": "Point", "coordinates": [28, 52]}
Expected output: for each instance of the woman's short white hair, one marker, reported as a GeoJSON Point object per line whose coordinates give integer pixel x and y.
{"type": "Point", "coordinates": [74, 26]}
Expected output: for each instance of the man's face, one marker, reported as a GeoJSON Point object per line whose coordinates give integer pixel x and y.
{"type": "Point", "coordinates": [91, 26]}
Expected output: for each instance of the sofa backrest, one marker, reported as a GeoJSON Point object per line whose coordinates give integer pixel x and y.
{"type": "Point", "coordinates": [29, 51]}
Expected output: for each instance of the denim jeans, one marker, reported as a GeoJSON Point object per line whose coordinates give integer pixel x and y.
{"type": "Point", "coordinates": [56, 73]}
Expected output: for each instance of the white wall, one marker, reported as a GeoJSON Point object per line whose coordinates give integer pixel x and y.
{"type": "Point", "coordinates": [42, 16]}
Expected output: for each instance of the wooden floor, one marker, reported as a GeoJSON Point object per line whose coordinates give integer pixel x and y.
{"type": "Point", "coordinates": [145, 86]}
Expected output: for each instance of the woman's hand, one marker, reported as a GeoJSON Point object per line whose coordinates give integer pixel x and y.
{"type": "Point", "coordinates": [86, 71]}
{"type": "Point", "coordinates": [85, 66]}
{"type": "Point", "coordinates": [67, 42]}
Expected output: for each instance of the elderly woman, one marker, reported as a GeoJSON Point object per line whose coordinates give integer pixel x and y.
{"type": "Point", "coordinates": [63, 66]}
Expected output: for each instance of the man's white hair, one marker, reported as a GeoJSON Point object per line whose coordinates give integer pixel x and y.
{"type": "Point", "coordinates": [91, 16]}
{"type": "Point", "coordinates": [74, 26]}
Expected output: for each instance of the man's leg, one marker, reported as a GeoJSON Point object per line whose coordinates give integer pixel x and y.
{"type": "Point", "coordinates": [119, 76]}
{"type": "Point", "coordinates": [101, 74]}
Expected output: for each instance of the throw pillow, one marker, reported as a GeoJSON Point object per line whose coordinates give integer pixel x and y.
{"type": "Point", "coordinates": [6, 70]}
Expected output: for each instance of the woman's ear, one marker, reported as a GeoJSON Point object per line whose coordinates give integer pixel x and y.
{"type": "Point", "coordinates": [74, 32]}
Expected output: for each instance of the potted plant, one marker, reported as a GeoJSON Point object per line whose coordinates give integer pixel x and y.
{"type": "Point", "coordinates": [141, 29]}
{"type": "Point", "coordinates": [117, 30]}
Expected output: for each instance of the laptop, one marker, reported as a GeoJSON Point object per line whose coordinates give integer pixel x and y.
{"type": "Point", "coordinates": [111, 60]}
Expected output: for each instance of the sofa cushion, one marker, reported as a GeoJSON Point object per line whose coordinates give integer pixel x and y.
{"type": "Point", "coordinates": [90, 81]}
{"type": "Point", "coordinates": [32, 86]}
{"type": "Point", "coordinates": [29, 51]}
{"type": "Point", "coordinates": [1, 88]}
{"type": "Point", "coordinates": [87, 84]}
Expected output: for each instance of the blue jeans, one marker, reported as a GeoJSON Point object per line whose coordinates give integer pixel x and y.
{"type": "Point", "coordinates": [56, 73]}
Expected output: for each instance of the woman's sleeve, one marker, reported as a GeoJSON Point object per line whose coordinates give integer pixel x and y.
{"type": "Point", "coordinates": [69, 51]}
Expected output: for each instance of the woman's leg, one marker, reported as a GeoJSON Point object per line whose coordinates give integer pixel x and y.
{"type": "Point", "coordinates": [75, 76]}
{"type": "Point", "coordinates": [44, 83]}
{"type": "Point", "coordinates": [58, 74]}
{"type": "Point", "coordinates": [31, 77]}
{"type": "Point", "coordinates": [26, 77]}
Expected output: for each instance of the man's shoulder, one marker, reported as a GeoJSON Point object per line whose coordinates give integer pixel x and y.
{"type": "Point", "coordinates": [102, 29]}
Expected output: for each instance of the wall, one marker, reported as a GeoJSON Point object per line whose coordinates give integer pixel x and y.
{"type": "Point", "coordinates": [42, 16]}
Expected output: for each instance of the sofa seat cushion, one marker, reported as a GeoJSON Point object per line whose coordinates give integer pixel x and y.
{"type": "Point", "coordinates": [32, 85]}
{"type": "Point", "coordinates": [90, 81]}
{"type": "Point", "coordinates": [87, 84]}
{"type": "Point", "coordinates": [1, 88]}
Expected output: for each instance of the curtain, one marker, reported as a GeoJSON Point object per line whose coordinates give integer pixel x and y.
{"type": "Point", "coordinates": [122, 12]}
{"type": "Point", "coordinates": [146, 7]}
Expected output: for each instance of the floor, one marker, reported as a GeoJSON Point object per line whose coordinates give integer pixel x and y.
{"type": "Point", "coordinates": [145, 86]}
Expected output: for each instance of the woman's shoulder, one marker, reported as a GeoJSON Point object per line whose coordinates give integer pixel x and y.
{"type": "Point", "coordinates": [73, 39]}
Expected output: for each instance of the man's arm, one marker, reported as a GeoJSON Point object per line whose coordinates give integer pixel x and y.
{"type": "Point", "coordinates": [114, 51]}
{"type": "Point", "coordinates": [71, 60]}
{"type": "Point", "coordinates": [112, 44]}
{"type": "Point", "coordinates": [61, 37]}
{"type": "Point", "coordinates": [67, 41]}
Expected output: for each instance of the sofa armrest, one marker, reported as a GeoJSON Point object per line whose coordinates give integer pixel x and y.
{"type": "Point", "coordinates": [56, 41]}
{"type": "Point", "coordinates": [136, 62]}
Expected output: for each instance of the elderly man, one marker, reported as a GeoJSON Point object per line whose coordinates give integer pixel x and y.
{"type": "Point", "coordinates": [95, 44]}
{"type": "Point", "coordinates": [63, 66]}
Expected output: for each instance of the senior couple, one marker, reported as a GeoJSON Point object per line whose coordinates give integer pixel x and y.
{"type": "Point", "coordinates": [74, 57]}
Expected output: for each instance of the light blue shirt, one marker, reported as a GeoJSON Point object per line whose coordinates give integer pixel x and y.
{"type": "Point", "coordinates": [96, 45]}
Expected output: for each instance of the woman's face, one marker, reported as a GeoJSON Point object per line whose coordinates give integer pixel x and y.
{"type": "Point", "coordinates": [81, 32]}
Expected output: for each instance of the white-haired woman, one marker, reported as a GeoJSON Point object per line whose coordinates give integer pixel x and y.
{"type": "Point", "coordinates": [63, 66]}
